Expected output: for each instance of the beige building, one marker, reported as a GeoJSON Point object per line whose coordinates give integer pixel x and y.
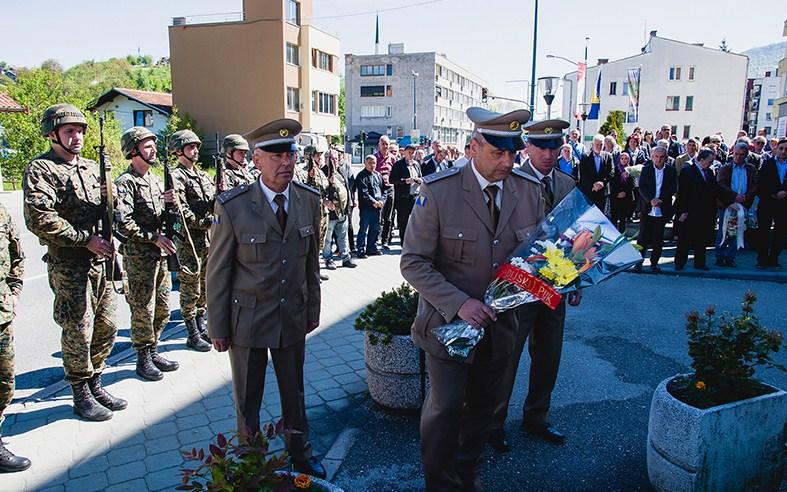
{"type": "Point", "coordinates": [234, 75]}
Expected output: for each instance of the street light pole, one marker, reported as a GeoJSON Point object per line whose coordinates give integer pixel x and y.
{"type": "Point", "coordinates": [415, 111]}
{"type": "Point", "coordinates": [533, 71]}
{"type": "Point", "coordinates": [585, 87]}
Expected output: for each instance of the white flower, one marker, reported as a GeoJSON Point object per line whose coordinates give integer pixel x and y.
{"type": "Point", "coordinates": [518, 262]}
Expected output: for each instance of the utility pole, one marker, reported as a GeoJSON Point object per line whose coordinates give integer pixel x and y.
{"type": "Point", "coordinates": [533, 71]}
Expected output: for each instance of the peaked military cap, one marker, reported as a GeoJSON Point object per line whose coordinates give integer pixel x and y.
{"type": "Point", "coordinates": [547, 134]}
{"type": "Point", "coordinates": [276, 136]}
{"type": "Point", "coordinates": [504, 131]}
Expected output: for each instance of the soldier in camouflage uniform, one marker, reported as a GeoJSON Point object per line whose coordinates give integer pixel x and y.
{"type": "Point", "coordinates": [139, 213]}
{"type": "Point", "coordinates": [11, 272]}
{"type": "Point", "coordinates": [312, 175]}
{"type": "Point", "coordinates": [195, 192]}
{"type": "Point", "coordinates": [62, 206]}
{"type": "Point", "coordinates": [235, 164]}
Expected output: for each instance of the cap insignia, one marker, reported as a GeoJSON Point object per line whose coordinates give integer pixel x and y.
{"type": "Point", "coordinates": [284, 132]}
{"type": "Point", "coordinates": [514, 125]}
{"type": "Point", "coordinates": [548, 130]}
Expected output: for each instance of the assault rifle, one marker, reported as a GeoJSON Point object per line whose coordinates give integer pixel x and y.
{"type": "Point", "coordinates": [218, 161]}
{"type": "Point", "coordinates": [171, 222]}
{"type": "Point", "coordinates": [112, 269]}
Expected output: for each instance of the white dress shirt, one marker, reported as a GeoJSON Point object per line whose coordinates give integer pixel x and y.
{"type": "Point", "coordinates": [270, 195]}
{"type": "Point", "coordinates": [483, 183]}
{"type": "Point", "coordinates": [656, 211]}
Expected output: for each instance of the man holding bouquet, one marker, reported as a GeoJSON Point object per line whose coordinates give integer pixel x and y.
{"type": "Point", "coordinates": [465, 223]}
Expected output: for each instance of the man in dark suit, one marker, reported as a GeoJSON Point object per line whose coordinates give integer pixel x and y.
{"type": "Point", "coordinates": [435, 162]}
{"type": "Point", "coordinates": [595, 171]}
{"type": "Point", "coordinates": [673, 147]}
{"type": "Point", "coordinates": [772, 190]}
{"type": "Point", "coordinates": [657, 185]}
{"type": "Point", "coordinates": [737, 184]}
{"type": "Point", "coordinates": [264, 285]}
{"type": "Point", "coordinates": [466, 222]}
{"type": "Point", "coordinates": [539, 323]}
{"type": "Point", "coordinates": [406, 178]}
{"type": "Point", "coordinates": [695, 209]}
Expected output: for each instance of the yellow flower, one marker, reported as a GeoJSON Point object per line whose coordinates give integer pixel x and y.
{"type": "Point", "coordinates": [699, 385]}
{"type": "Point", "coordinates": [559, 269]}
{"type": "Point", "coordinates": [302, 482]}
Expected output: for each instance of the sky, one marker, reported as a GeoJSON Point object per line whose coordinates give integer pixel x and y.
{"type": "Point", "coordinates": [491, 38]}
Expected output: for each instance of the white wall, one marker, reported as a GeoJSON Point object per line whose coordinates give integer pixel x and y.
{"type": "Point", "coordinates": [771, 88]}
{"type": "Point", "coordinates": [123, 109]}
{"type": "Point", "coordinates": [315, 79]}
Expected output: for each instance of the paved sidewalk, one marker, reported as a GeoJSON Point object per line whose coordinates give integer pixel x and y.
{"type": "Point", "coordinates": [139, 449]}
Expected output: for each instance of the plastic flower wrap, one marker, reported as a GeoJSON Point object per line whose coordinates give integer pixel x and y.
{"type": "Point", "coordinates": [574, 247]}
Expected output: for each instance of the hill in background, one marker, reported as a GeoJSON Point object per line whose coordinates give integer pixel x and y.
{"type": "Point", "coordinates": [764, 58]}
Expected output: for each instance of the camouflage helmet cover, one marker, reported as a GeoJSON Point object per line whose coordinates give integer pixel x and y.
{"type": "Point", "coordinates": [59, 115]}
{"type": "Point", "coordinates": [310, 150]}
{"type": "Point", "coordinates": [132, 137]}
{"type": "Point", "coordinates": [235, 141]}
{"type": "Point", "coordinates": [181, 138]}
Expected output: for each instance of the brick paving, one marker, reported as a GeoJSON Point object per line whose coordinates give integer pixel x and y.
{"type": "Point", "coordinates": [139, 449]}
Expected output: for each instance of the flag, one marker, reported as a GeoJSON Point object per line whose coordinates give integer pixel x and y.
{"type": "Point", "coordinates": [595, 101]}
{"type": "Point", "coordinates": [581, 67]}
{"type": "Point", "coordinates": [634, 75]}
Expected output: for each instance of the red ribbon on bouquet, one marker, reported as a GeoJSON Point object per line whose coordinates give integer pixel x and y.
{"type": "Point", "coordinates": [530, 283]}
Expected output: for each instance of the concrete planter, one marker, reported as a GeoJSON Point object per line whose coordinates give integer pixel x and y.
{"type": "Point", "coordinates": [393, 372]}
{"type": "Point", "coordinates": [731, 447]}
{"type": "Point", "coordinates": [317, 483]}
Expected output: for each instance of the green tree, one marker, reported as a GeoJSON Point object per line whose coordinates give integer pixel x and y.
{"type": "Point", "coordinates": [177, 122]}
{"type": "Point", "coordinates": [342, 122]}
{"type": "Point", "coordinates": [615, 120]}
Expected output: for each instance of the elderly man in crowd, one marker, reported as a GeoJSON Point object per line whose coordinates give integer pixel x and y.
{"type": "Point", "coordinates": [595, 172]}
{"type": "Point", "coordinates": [772, 190]}
{"type": "Point", "coordinates": [657, 185]}
{"type": "Point", "coordinates": [737, 184]}
{"type": "Point", "coordinates": [687, 158]}
{"type": "Point", "coordinates": [695, 210]}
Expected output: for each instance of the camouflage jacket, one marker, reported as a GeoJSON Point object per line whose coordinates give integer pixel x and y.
{"type": "Point", "coordinates": [236, 177]}
{"type": "Point", "coordinates": [12, 269]}
{"type": "Point", "coordinates": [62, 201]}
{"type": "Point", "coordinates": [196, 193]}
{"type": "Point", "coordinates": [138, 214]}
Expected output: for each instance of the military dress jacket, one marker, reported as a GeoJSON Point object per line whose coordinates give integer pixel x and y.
{"type": "Point", "coordinates": [451, 252]}
{"type": "Point", "coordinates": [263, 284]}
{"type": "Point", "coordinates": [139, 211]}
{"type": "Point", "coordinates": [195, 192]}
{"type": "Point", "coordinates": [12, 270]}
{"type": "Point", "coordinates": [62, 203]}
{"type": "Point", "coordinates": [562, 183]}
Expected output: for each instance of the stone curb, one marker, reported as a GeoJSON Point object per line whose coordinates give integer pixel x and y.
{"type": "Point", "coordinates": [721, 275]}
{"type": "Point", "coordinates": [334, 458]}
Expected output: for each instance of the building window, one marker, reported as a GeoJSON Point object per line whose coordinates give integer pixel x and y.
{"type": "Point", "coordinates": [292, 54]}
{"type": "Point", "coordinates": [686, 131]}
{"type": "Point", "coordinates": [767, 130]}
{"type": "Point", "coordinates": [388, 111]}
{"type": "Point", "coordinates": [323, 103]}
{"type": "Point", "coordinates": [625, 89]}
{"type": "Point", "coordinates": [143, 118]}
{"type": "Point", "coordinates": [674, 73]}
{"type": "Point", "coordinates": [689, 103]}
{"type": "Point", "coordinates": [388, 91]}
{"type": "Point", "coordinates": [768, 117]}
{"type": "Point", "coordinates": [373, 111]}
{"type": "Point", "coordinates": [674, 129]}
{"type": "Point", "coordinates": [372, 70]}
{"type": "Point", "coordinates": [691, 73]}
{"type": "Point", "coordinates": [389, 69]}
{"type": "Point", "coordinates": [292, 12]}
{"type": "Point", "coordinates": [293, 99]}
{"type": "Point", "coordinates": [673, 103]}
{"type": "Point", "coordinates": [372, 91]}
{"type": "Point", "coordinates": [613, 88]}
{"type": "Point", "coordinates": [770, 102]}
{"type": "Point", "coordinates": [322, 60]}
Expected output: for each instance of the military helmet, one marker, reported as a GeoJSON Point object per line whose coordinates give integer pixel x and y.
{"type": "Point", "coordinates": [236, 142]}
{"type": "Point", "coordinates": [181, 138]}
{"type": "Point", "coordinates": [309, 150]}
{"type": "Point", "coordinates": [59, 115]}
{"type": "Point", "coordinates": [133, 136]}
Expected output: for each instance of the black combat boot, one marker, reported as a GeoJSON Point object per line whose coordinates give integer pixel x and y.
{"type": "Point", "coordinates": [103, 397]}
{"type": "Point", "coordinates": [10, 463]}
{"type": "Point", "coordinates": [145, 367]}
{"type": "Point", "coordinates": [163, 364]}
{"type": "Point", "coordinates": [202, 326]}
{"type": "Point", "coordinates": [194, 340]}
{"type": "Point", "coordinates": [85, 404]}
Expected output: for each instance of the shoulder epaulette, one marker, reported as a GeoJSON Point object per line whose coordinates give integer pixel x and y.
{"type": "Point", "coordinates": [522, 174]}
{"type": "Point", "coordinates": [230, 194]}
{"type": "Point", "coordinates": [451, 171]}
{"type": "Point", "coordinates": [306, 187]}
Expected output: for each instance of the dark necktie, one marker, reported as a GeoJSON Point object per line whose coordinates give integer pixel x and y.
{"type": "Point", "coordinates": [494, 212]}
{"type": "Point", "coordinates": [281, 214]}
{"type": "Point", "coordinates": [706, 174]}
{"type": "Point", "coordinates": [549, 196]}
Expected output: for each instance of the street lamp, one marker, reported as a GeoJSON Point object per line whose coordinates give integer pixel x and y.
{"type": "Point", "coordinates": [548, 87]}
{"type": "Point", "coordinates": [415, 117]}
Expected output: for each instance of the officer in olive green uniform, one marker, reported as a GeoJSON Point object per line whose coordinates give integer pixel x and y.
{"type": "Point", "coordinates": [195, 192]}
{"type": "Point", "coordinates": [62, 206]}
{"type": "Point", "coordinates": [11, 272]}
{"type": "Point", "coordinates": [235, 164]}
{"type": "Point", "coordinates": [139, 217]}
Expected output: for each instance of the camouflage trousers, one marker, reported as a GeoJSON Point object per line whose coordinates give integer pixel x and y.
{"type": "Point", "coordinates": [6, 367]}
{"type": "Point", "coordinates": [323, 226]}
{"type": "Point", "coordinates": [149, 284]}
{"type": "Point", "coordinates": [84, 308]}
{"type": "Point", "coordinates": [192, 287]}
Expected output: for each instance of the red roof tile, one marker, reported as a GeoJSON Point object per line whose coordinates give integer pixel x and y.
{"type": "Point", "coordinates": [147, 97]}
{"type": "Point", "coordinates": [8, 105]}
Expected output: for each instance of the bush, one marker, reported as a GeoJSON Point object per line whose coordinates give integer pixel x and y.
{"type": "Point", "coordinates": [390, 314]}
{"type": "Point", "coordinates": [725, 351]}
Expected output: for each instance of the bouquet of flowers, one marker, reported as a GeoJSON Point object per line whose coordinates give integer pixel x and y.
{"type": "Point", "coordinates": [574, 247]}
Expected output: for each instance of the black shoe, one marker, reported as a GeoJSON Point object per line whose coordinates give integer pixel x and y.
{"type": "Point", "coordinates": [360, 255]}
{"type": "Point", "coordinates": [637, 268]}
{"type": "Point", "coordinates": [762, 266]}
{"type": "Point", "coordinates": [655, 268]}
{"type": "Point", "coordinates": [775, 266]}
{"type": "Point", "coordinates": [194, 340]}
{"type": "Point", "coordinates": [324, 277]}
{"type": "Point", "coordinates": [721, 262]}
{"type": "Point", "coordinates": [497, 441]}
{"type": "Point", "coordinates": [386, 247]}
{"type": "Point", "coordinates": [376, 252]}
{"type": "Point", "coordinates": [103, 397]}
{"type": "Point", "coordinates": [202, 327]}
{"type": "Point", "coordinates": [544, 431]}
{"type": "Point", "coordinates": [10, 463]}
{"type": "Point", "coordinates": [731, 263]}
{"type": "Point", "coordinates": [349, 263]}
{"type": "Point", "coordinates": [85, 404]}
{"type": "Point", "coordinates": [163, 364]}
{"type": "Point", "coordinates": [312, 467]}
{"type": "Point", "coordinates": [145, 367]}
{"type": "Point", "coordinates": [330, 265]}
